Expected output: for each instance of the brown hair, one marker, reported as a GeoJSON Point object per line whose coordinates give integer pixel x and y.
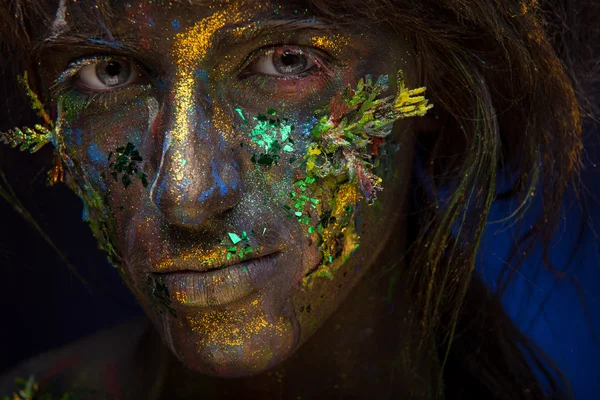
{"type": "Point", "coordinates": [507, 78]}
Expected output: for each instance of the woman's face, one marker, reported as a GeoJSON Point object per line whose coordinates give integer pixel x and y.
{"type": "Point", "coordinates": [185, 128]}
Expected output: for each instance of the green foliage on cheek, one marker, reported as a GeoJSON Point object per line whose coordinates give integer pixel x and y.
{"type": "Point", "coordinates": [350, 129]}
{"type": "Point", "coordinates": [346, 140]}
{"type": "Point", "coordinates": [126, 162]}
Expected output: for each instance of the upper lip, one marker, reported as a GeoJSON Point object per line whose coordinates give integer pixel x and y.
{"type": "Point", "coordinates": [188, 263]}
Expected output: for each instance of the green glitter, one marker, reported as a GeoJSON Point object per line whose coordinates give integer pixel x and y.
{"type": "Point", "coordinates": [272, 135]}
{"type": "Point", "coordinates": [235, 239]}
{"type": "Point", "coordinates": [241, 246]}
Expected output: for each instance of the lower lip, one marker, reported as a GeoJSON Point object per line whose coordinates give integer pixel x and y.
{"type": "Point", "coordinates": [219, 287]}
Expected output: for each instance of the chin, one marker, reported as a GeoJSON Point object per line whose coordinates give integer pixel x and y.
{"type": "Point", "coordinates": [237, 340]}
{"type": "Point", "coordinates": [255, 356]}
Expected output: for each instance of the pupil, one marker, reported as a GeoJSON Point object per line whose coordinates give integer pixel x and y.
{"type": "Point", "coordinates": [289, 62]}
{"type": "Point", "coordinates": [113, 68]}
{"type": "Point", "coordinates": [289, 58]}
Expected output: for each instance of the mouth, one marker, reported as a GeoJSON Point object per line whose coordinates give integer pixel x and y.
{"type": "Point", "coordinates": [195, 283]}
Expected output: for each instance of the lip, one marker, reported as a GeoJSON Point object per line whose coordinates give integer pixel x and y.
{"type": "Point", "coordinates": [192, 284]}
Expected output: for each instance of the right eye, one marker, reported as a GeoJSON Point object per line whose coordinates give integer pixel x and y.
{"type": "Point", "coordinates": [108, 74]}
{"type": "Point", "coordinates": [284, 62]}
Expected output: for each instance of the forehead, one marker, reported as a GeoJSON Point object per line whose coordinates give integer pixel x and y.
{"type": "Point", "coordinates": [161, 20]}
{"type": "Point", "coordinates": [84, 16]}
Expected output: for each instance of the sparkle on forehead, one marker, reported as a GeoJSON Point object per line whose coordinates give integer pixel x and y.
{"type": "Point", "coordinates": [191, 47]}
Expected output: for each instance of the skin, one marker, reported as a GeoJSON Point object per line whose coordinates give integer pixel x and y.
{"type": "Point", "coordinates": [182, 111]}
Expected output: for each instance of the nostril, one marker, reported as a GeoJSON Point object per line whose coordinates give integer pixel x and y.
{"type": "Point", "coordinates": [204, 186]}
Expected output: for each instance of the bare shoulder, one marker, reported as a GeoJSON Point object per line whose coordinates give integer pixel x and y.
{"type": "Point", "coordinates": [96, 364]}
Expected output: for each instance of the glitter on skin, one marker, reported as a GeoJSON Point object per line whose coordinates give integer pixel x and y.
{"type": "Point", "coordinates": [222, 327]}
{"type": "Point", "coordinates": [332, 43]}
{"type": "Point", "coordinates": [188, 109]}
{"type": "Point", "coordinates": [190, 49]}
{"type": "Point", "coordinates": [220, 182]}
{"type": "Point", "coordinates": [210, 257]}
{"type": "Point", "coordinates": [96, 155]}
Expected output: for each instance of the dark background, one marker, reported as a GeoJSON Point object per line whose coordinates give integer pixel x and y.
{"type": "Point", "coordinates": [44, 304]}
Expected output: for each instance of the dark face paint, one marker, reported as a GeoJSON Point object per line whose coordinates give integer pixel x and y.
{"type": "Point", "coordinates": [193, 146]}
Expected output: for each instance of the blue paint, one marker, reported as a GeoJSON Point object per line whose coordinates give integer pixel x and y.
{"type": "Point", "coordinates": [185, 183]}
{"type": "Point", "coordinates": [234, 184]}
{"type": "Point", "coordinates": [220, 183]}
{"type": "Point", "coordinates": [206, 194]}
{"type": "Point", "coordinates": [151, 22]}
{"type": "Point", "coordinates": [97, 156]}
{"type": "Point", "coordinates": [68, 135]}
{"type": "Point", "coordinates": [175, 24]}
{"type": "Point", "coordinates": [161, 84]}
{"type": "Point", "coordinates": [78, 136]}
{"type": "Point", "coordinates": [307, 128]}
{"type": "Point", "coordinates": [111, 44]}
{"type": "Point", "coordinates": [201, 74]}
{"type": "Point", "coordinates": [159, 192]}
{"type": "Point", "coordinates": [85, 213]}
{"type": "Point", "coordinates": [95, 177]}
{"type": "Point", "coordinates": [135, 137]}
{"type": "Point", "coordinates": [201, 123]}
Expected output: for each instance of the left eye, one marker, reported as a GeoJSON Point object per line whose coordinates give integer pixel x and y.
{"type": "Point", "coordinates": [283, 62]}
{"type": "Point", "coordinates": [107, 74]}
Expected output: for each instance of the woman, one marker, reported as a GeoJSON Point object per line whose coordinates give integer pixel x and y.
{"type": "Point", "coordinates": [232, 158]}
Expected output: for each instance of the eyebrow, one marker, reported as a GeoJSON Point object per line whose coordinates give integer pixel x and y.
{"type": "Point", "coordinates": [255, 29]}
{"type": "Point", "coordinates": [225, 36]}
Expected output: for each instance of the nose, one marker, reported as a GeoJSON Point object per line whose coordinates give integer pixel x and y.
{"type": "Point", "coordinates": [196, 178]}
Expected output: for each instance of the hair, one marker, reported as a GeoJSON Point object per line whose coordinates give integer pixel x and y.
{"type": "Point", "coordinates": [512, 82]}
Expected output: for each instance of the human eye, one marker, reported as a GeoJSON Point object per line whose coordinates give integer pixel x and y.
{"type": "Point", "coordinates": [286, 62]}
{"type": "Point", "coordinates": [103, 73]}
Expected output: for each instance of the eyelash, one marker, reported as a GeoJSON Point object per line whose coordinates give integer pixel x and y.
{"type": "Point", "coordinates": [66, 86]}
{"type": "Point", "coordinates": [323, 61]}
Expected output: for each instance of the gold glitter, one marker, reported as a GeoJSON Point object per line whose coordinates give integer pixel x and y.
{"type": "Point", "coordinates": [210, 258]}
{"type": "Point", "coordinates": [190, 49]}
{"type": "Point", "coordinates": [332, 43]}
{"type": "Point", "coordinates": [233, 327]}
{"type": "Point", "coordinates": [222, 121]}
{"type": "Point", "coordinates": [181, 296]}
{"type": "Point", "coordinates": [347, 195]}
